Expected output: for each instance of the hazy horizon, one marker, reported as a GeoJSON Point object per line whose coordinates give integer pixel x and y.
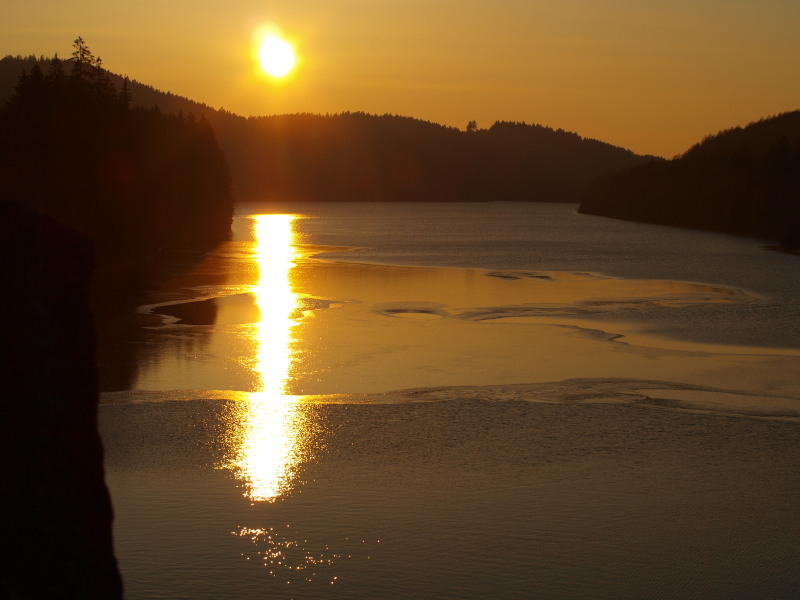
{"type": "Point", "coordinates": [652, 78]}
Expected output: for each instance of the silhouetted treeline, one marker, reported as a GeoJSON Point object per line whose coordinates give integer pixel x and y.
{"type": "Point", "coordinates": [142, 95]}
{"type": "Point", "coordinates": [136, 181]}
{"type": "Point", "coordinates": [362, 157]}
{"type": "Point", "coordinates": [743, 180]}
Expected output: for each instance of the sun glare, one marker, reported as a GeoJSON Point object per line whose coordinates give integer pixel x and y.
{"type": "Point", "coordinates": [276, 56]}
{"type": "Point", "coordinates": [268, 438]}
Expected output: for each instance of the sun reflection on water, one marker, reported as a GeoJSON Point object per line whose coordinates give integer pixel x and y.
{"type": "Point", "coordinates": [270, 423]}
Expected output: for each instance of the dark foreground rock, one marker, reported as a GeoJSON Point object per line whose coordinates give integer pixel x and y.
{"type": "Point", "coordinates": [791, 241]}
{"type": "Point", "coordinates": [55, 505]}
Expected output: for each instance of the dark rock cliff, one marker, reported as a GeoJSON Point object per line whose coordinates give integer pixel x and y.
{"type": "Point", "coordinates": [55, 505]}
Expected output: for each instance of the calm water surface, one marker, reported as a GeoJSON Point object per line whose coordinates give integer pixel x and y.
{"type": "Point", "coordinates": [459, 401]}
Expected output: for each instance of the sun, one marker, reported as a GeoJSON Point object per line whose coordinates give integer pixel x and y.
{"type": "Point", "coordinates": [276, 56]}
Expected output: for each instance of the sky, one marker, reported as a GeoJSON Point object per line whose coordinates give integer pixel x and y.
{"type": "Point", "coordinates": [654, 77]}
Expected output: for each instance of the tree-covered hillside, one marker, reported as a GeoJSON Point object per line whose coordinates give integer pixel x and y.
{"type": "Point", "coordinates": [363, 157]}
{"type": "Point", "coordinates": [743, 180]}
{"type": "Point", "coordinates": [136, 181]}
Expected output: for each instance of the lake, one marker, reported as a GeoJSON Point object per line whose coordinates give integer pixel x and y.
{"type": "Point", "coordinates": [504, 400]}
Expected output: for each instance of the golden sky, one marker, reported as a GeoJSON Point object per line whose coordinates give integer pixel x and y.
{"type": "Point", "coordinates": [654, 77]}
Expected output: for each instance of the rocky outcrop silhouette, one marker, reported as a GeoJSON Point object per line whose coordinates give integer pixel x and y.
{"type": "Point", "coordinates": [56, 508]}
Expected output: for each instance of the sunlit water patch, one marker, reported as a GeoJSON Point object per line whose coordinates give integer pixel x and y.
{"type": "Point", "coordinates": [267, 440]}
{"type": "Point", "coordinates": [463, 498]}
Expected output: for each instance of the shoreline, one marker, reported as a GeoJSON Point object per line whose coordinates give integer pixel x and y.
{"type": "Point", "coordinates": [660, 395]}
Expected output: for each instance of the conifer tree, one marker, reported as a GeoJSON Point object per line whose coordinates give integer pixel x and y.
{"type": "Point", "coordinates": [56, 76]}
{"type": "Point", "coordinates": [83, 62]}
{"type": "Point", "coordinates": [125, 94]}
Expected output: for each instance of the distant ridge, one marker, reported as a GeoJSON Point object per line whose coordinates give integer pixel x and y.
{"type": "Point", "coordinates": [362, 157]}
{"type": "Point", "coordinates": [356, 156]}
{"type": "Point", "coordinates": [744, 180]}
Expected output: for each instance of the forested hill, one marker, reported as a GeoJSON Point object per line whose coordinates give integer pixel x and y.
{"type": "Point", "coordinates": [142, 95]}
{"type": "Point", "coordinates": [135, 181]}
{"type": "Point", "coordinates": [742, 180]}
{"type": "Point", "coordinates": [362, 157]}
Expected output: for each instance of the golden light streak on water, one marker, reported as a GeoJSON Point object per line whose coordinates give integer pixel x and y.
{"type": "Point", "coordinates": [270, 424]}
{"type": "Point", "coordinates": [274, 253]}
